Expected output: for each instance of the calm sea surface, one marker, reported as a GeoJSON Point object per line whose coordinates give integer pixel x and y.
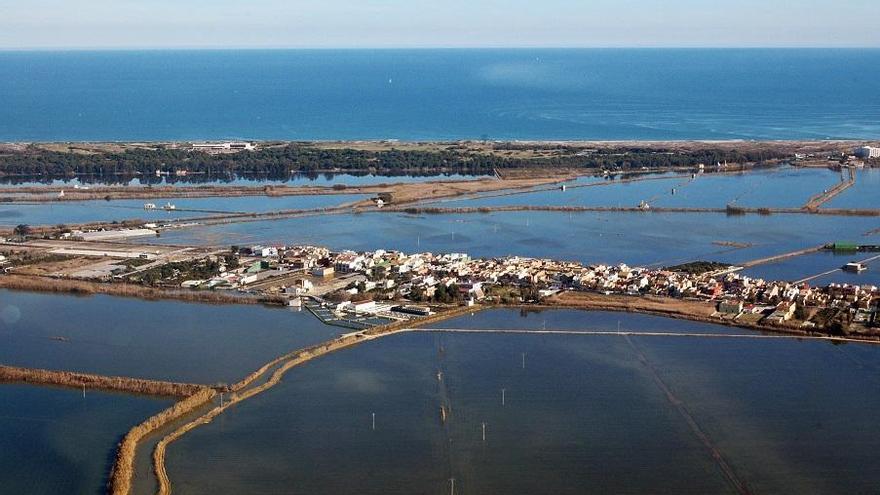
{"type": "Point", "coordinates": [582, 415]}
{"type": "Point", "coordinates": [440, 94]}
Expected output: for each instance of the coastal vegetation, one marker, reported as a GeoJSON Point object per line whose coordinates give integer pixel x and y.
{"type": "Point", "coordinates": [82, 287]}
{"type": "Point", "coordinates": [698, 267]}
{"type": "Point", "coordinates": [177, 271]}
{"type": "Point", "coordinates": [281, 161]}
{"type": "Point", "coordinates": [86, 380]}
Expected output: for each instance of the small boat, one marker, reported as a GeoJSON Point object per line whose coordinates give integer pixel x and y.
{"type": "Point", "coordinates": [149, 206]}
{"type": "Point", "coordinates": [169, 206]}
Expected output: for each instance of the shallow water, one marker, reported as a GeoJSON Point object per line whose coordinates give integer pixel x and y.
{"type": "Point", "coordinates": [325, 179]}
{"type": "Point", "coordinates": [166, 340]}
{"type": "Point", "coordinates": [865, 193]}
{"type": "Point", "coordinates": [800, 267]}
{"type": "Point", "coordinates": [777, 188]}
{"type": "Point", "coordinates": [579, 414]}
{"type": "Point", "coordinates": [637, 238]}
{"type": "Point", "coordinates": [72, 212]}
{"type": "Point", "coordinates": [57, 441]}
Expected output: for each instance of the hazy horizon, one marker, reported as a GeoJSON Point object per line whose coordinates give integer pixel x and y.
{"type": "Point", "coordinates": [416, 48]}
{"type": "Point", "coordinates": [341, 24]}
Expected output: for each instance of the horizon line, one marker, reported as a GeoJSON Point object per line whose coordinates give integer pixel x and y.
{"type": "Point", "coordinates": [84, 48]}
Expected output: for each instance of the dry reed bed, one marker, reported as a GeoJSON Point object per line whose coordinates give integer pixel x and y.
{"type": "Point", "coordinates": [123, 466]}
{"type": "Point", "coordinates": [53, 285]}
{"type": "Point", "coordinates": [101, 382]}
{"type": "Point", "coordinates": [414, 210]}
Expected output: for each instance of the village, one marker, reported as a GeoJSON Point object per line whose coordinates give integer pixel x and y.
{"type": "Point", "coordinates": [357, 286]}
{"type": "Point", "coordinates": [362, 289]}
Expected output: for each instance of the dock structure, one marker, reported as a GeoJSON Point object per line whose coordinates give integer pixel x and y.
{"type": "Point", "coordinates": [780, 257]}
{"type": "Point", "coordinates": [827, 195]}
{"type": "Point", "coordinates": [353, 321]}
{"type": "Point", "coordinates": [861, 263]}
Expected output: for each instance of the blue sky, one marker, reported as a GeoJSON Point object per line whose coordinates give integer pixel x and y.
{"type": "Point", "coordinates": [440, 23]}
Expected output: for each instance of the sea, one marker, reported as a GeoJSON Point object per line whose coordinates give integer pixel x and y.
{"type": "Point", "coordinates": [434, 94]}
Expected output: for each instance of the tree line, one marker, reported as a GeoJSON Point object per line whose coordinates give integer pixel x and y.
{"type": "Point", "coordinates": [307, 158]}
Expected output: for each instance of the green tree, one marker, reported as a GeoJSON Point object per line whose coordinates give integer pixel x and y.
{"type": "Point", "coordinates": [417, 294]}
{"type": "Point", "coordinates": [22, 230]}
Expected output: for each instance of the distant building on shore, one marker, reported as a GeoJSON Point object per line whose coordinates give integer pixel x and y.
{"type": "Point", "coordinates": [227, 147]}
{"type": "Point", "coordinates": [868, 152]}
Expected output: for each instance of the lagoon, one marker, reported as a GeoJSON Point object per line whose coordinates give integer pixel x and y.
{"type": "Point", "coordinates": [583, 414]}
{"type": "Point", "coordinates": [162, 340]}
{"type": "Point", "coordinates": [57, 441]}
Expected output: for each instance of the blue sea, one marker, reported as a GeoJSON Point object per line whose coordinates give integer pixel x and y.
{"type": "Point", "coordinates": [601, 94]}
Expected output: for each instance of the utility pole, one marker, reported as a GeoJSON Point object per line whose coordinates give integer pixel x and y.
{"type": "Point", "coordinates": [484, 432]}
{"type": "Point", "coordinates": [84, 391]}
{"type": "Point", "coordinates": [221, 400]}
{"type": "Point", "coordinates": [451, 486]}
{"type": "Point", "coordinates": [374, 421]}
{"type": "Point", "coordinates": [523, 360]}
{"type": "Point", "coordinates": [502, 395]}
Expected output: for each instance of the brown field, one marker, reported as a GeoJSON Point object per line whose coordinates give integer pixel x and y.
{"type": "Point", "coordinates": [615, 302]}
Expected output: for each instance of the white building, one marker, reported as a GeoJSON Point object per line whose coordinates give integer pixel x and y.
{"type": "Point", "coordinates": [228, 147]}
{"type": "Point", "coordinates": [868, 152]}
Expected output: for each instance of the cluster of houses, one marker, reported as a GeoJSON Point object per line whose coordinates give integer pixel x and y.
{"type": "Point", "coordinates": [396, 275]}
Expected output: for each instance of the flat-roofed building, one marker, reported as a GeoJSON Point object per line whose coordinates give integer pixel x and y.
{"type": "Point", "coordinates": [227, 147]}
{"type": "Point", "coordinates": [868, 152]}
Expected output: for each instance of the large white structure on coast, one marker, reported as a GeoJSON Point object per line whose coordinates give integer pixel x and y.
{"type": "Point", "coordinates": [868, 152]}
{"type": "Point", "coordinates": [223, 147]}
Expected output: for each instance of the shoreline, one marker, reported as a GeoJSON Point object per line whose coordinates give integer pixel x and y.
{"type": "Point", "coordinates": [699, 311]}
{"type": "Point", "coordinates": [35, 283]}
{"type": "Point", "coordinates": [669, 308]}
{"type": "Point", "coordinates": [397, 141]}
{"type": "Point", "coordinates": [281, 365]}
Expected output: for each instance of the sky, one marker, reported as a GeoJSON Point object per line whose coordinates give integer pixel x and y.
{"type": "Point", "coordinates": [116, 24]}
